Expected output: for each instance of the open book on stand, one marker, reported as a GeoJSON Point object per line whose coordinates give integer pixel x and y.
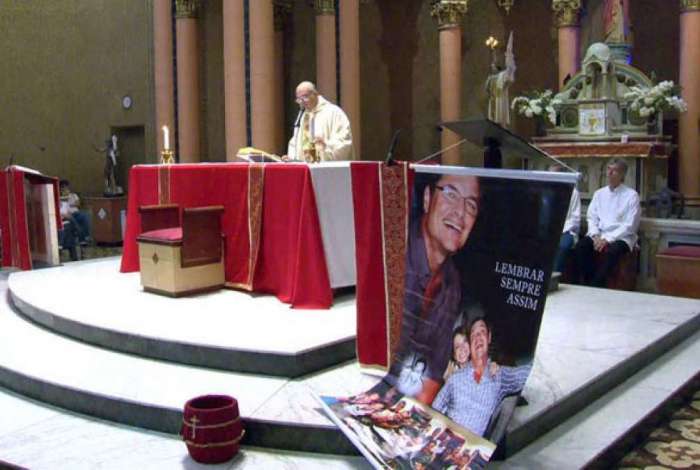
{"type": "Point", "coordinates": [251, 154]}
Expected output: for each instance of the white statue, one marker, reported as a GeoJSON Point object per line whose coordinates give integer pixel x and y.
{"type": "Point", "coordinates": [497, 85]}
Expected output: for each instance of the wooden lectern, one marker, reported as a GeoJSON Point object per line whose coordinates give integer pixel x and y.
{"type": "Point", "coordinates": [29, 218]}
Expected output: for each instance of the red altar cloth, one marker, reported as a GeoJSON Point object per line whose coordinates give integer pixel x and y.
{"type": "Point", "coordinates": [277, 251]}
{"type": "Point", "coordinates": [381, 199]}
{"type": "Point", "coordinates": [13, 214]}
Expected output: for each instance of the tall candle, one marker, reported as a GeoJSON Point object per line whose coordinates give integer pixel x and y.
{"type": "Point", "coordinates": [166, 138]}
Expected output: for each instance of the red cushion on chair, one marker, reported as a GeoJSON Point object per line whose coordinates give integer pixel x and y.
{"type": "Point", "coordinates": [684, 251]}
{"type": "Point", "coordinates": [164, 235]}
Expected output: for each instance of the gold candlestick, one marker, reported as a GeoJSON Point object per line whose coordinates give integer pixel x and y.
{"type": "Point", "coordinates": [167, 157]}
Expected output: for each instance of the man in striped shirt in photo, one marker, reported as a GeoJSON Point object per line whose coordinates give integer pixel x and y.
{"type": "Point", "coordinates": [472, 394]}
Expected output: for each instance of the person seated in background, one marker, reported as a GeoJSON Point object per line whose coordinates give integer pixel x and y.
{"type": "Point", "coordinates": [613, 220]}
{"type": "Point", "coordinates": [569, 235]}
{"type": "Point", "coordinates": [68, 237]}
{"type": "Point", "coordinates": [70, 211]}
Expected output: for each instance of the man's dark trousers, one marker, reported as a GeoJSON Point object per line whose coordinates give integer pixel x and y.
{"type": "Point", "coordinates": [585, 257]}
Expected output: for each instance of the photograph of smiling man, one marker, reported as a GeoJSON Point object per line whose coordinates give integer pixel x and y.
{"type": "Point", "coordinates": [443, 218]}
{"type": "Point", "coordinates": [476, 262]}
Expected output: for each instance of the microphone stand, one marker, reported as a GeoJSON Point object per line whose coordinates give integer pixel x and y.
{"type": "Point", "coordinates": [390, 154]}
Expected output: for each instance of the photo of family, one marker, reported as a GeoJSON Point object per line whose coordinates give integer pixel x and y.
{"type": "Point", "coordinates": [478, 260]}
{"type": "Point", "coordinates": [402, 433]}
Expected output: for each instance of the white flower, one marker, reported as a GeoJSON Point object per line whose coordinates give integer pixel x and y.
{"type": "Point", "coordinates": [677, 103]}
{"type": "Point", "coordinates": [537, 105]}
{"type": "Point", "coordinates": [552, 115]}
{"type": "Point", "coordinates": [665, 86]}
{"type": "Point", "coordinates": [649, 101]}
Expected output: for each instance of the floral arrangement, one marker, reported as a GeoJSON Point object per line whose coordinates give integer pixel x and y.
{"type": "Point", "coordinates": [537, 104]}
{"type": "Point", "coordinates": [650, 101]}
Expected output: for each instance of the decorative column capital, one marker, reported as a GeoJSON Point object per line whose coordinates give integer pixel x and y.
{"type": "Point", "coordinates": [690, 5]}
{"type": "Point", "coordinates": [186, 8]}
{"type": "Point", "coordinates": [567, 12]}
{"type": "Point", "coordinates": [449, 13]}
{"type": "Point", "coordinates": [281, 10]}
{"type": "Point", "coordinates": [324, 7]}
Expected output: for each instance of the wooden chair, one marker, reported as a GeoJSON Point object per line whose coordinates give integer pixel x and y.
{"type": "Point", "coordinates": [159, 217]}
{"type": "Point", "coordinates": [181, 259]}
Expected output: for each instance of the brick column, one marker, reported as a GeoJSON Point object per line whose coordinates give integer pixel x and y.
{"type": "Point", "coordinates": [350, 67]}
{"type": "Point", "coordinates": [325, 49]}
{"type": "Point", "coordinates": [188, 100]}
{"type": "Point", "coordinates": [282, 11]}
{"type": "Point", "coordinates": [163, 69]}
{"type": "Point", "coordinates": [449, 14]}
{"type": "Point", "coordinates": [567, 19]}
{"type": "Point", "coordinates": [262, 75]}
{"type": "Point", "coordinates": [689, 79]}
{"type": "Point", "coordinates": [234, 77]}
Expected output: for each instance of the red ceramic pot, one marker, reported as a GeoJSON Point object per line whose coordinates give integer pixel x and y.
{"type": "Point", "coordinates": [212, 428]}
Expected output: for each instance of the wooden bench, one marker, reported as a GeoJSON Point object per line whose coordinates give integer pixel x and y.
{"type": "Point", "coordinates": [678, 271]}
{"type": "Point", "coordinates": [622, 277]}
{"type": "Point", "coordinates": [624, 274]}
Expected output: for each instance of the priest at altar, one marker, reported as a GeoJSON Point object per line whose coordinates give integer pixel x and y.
{"type": "Point", "coordinates": [321, 131]}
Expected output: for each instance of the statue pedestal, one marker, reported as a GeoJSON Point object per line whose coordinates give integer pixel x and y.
{"type": "Point", "coordinates": [106, 218]}
{"type": "Point", "coordinates": [621, 52]}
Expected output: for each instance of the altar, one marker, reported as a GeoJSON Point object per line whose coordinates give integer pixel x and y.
{"type": "Point", "coordinates": [646, 157]}
{"type": "Point", "coordinates": [597, 120]}
{"type": "Point", "coordinates": [288, 227]}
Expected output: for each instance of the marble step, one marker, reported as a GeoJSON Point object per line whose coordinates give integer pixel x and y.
{"type": "Point", "coordinates": [229, 330]}
{"type": "Point", "coordinates": [586, 438]}
{"type": "Point", "coordinates": [147, 393]}
{"type": "Point", "coordinates": [591, 340]}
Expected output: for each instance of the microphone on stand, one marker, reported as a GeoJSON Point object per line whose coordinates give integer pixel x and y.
{"type": "Point", "coordinates": [395, 139]}
{"type": "Point", "coordinates": [297, 133]}
{"type": "Point", "coordinates": [297, 121]}
{"type": "Point", "coordinates": [390, 153]}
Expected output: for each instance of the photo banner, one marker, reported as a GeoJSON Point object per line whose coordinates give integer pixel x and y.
{"type": "Point", "coordinates": [478, 249]}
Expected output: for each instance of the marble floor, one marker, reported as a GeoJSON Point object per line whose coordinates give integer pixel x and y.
{"type": "Point", "coordinates": [582, 439]}
{"type": "Point", "coordinates": [40, 437]}
{"type": "Point", "coordinates": [598, 349]}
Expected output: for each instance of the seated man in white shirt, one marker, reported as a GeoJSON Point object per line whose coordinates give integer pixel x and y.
{"type": "Point", "coordinates": [613, 219]}
{"type": "Point", "coordinates": [569, 234]}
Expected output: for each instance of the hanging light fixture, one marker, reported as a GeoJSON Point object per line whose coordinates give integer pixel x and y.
{"type": "Point", "coordinates": [506, 4]}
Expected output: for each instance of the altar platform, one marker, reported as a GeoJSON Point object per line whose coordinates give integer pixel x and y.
{"type": "Point", "coordinates": [85, 338]}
